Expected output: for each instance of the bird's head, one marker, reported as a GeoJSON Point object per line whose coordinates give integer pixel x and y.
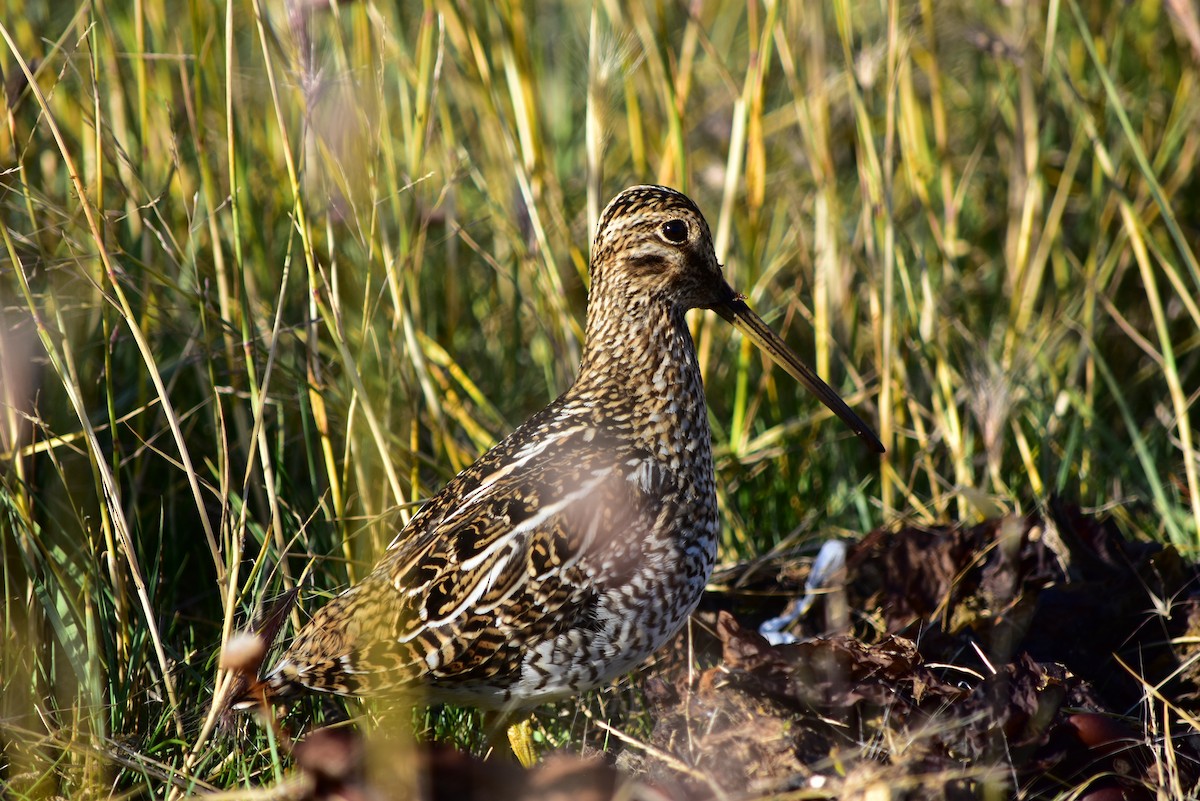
{"type": "Point", "coordinates": [653, 244]}
{"type": "Point", "coordinates": [654, 240]}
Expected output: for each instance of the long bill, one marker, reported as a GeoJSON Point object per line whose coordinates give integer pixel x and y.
{"type": "Point", "coordinates": [738, 314]}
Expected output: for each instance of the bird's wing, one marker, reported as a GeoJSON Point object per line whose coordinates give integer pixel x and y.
{"type": "Point", "coordinates": [504, 557]}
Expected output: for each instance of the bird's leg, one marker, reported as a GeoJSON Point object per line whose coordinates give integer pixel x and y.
{"type": "Point", "coordinates": [520, 735]}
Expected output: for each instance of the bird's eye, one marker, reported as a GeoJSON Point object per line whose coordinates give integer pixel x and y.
{"type": "Point", "coordinates": [675, 231]}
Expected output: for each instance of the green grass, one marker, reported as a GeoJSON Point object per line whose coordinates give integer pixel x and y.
{"type": "Point", "coordinates": [257, 294]}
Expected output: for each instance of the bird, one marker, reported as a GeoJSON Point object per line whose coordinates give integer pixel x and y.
{"type": "Point", "coordinates": [582, 542]}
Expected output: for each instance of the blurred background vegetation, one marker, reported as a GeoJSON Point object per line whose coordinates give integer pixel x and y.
{"type": "Point", "coordinates": [273, 272]}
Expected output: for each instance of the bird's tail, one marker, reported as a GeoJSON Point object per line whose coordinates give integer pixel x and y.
{"type": "Point", "coordinates": [243, 657]}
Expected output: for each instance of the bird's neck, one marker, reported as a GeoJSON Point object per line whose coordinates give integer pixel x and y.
{"type": "Point", "coordinates": [640, 363]}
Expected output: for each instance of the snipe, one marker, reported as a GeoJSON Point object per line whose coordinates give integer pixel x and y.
{"type": "Point", "coordinates": [580, 543]}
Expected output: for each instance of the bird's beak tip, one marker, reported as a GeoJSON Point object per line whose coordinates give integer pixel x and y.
{"type": "Point", "coordinates": [735, 311]}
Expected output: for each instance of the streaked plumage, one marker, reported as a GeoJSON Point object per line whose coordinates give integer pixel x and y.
{"type": "Point", "coordinates": [581, 542]}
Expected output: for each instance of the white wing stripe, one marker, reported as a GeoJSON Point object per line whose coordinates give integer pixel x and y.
{"type": "Point", "coordinates": [530, 523]}
{"type": "Point", "coordinates": [522, 458]}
